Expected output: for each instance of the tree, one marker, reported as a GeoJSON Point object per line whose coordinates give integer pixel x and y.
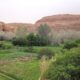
{"type": "Point", "coordinates": [44, 34]}
{"type": "Point", "coordinates": [44, 30]}
{"type": "Point", "coordinates": [21, 32]}
{"type": "Point", "coordinates": [20, 38]}
{"type": "Point", "coordinates": [31, 39]}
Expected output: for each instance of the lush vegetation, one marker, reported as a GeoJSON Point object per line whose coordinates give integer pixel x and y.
{"type": "Point", "coordinates": [39, 56]}
{"type": "Point", "coordinates": [20, 63]}
{"type": "Point", "coordinates": [45, 52]}
{"type": "Point", "coordinates": [66, 66]}
{"type": "Point", "coordinates": [70, 44]}
{"type": "Point", "coordinates": [21, 70]}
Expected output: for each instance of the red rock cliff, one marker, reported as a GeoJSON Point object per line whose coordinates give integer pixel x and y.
{"type": "Point", "coordinates": [56, 22]}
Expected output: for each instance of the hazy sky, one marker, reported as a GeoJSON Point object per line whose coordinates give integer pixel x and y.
{"type": "Point", "coordinates": [32, 10]}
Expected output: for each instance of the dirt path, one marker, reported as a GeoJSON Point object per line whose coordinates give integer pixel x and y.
{"type": "Point", "coordinates": [44, 65]}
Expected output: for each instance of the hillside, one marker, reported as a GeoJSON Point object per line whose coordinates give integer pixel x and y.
{"type": "Point", "coordinates": [56, 22]}
{"type": "Point", "coordinates": [29, 27]}
{"type": "Point", "coordinates": [61, 22]}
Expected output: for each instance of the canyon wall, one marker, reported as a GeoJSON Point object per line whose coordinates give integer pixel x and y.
{"type": "Point", "coordinates": [56, 22]}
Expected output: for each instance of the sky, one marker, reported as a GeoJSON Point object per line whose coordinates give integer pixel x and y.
{"type": "Point", "coordinates": [30, 11]}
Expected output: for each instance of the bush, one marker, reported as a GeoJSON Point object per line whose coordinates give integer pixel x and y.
{"type": "Point", "coordinates": [70, 45]}
{"type": "Point", "coordinates": [19, 41]}
{"type": "Point", "coordinates": [31, 40]}
{"type": "Point", "coordinates": [62, 36]}
{"type": "Point", "coordinates": [6, 35]}
{"type": "Point", "coordinates": [45, 52]}
{"type": "Point", "coordinates": [2, 38]}
{"type": "Point", "coordinates": [5, 45]}
{"type": "Point", "coordinates": [36, 40]}
{"type": "Point", "coordinates": [66, 67]}
{"type": "Point", "coordinates": [29, 49]}
{"type": "Point", "coordinates": [78, 41]}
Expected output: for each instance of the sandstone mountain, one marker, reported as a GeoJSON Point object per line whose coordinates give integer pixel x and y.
{"type": "Point", "coordinates": [61, 22]}
{"type": "Point", "coordinates": [6, 28]}
{"type": "Point", "coordinates": [29, 27]}
{"type": "Point", "coordinates": [56, 22]}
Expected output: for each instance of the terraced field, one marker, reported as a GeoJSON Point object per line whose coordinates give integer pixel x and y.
{"type": "Point", "coordinates": [17, 65]}
{"type": "Point", "coordinates": [20, 70]}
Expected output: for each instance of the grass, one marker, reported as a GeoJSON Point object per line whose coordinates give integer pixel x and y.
{"type": "Point", "coordinates": [11, 54]}
{"type": "Point", "coordinates": [22, 70]}
{"type": "Point", "coordinates": [20, 52]}
{"type": "Point", "coordinates": [20, 63]}
{"type": "Point", "coordinates": [54, 49]}
{"type": "Point", "coordinates": [7, 76]}
{"type": "Point", "coordinates": [3, 78]}
{"type": "Point", "coordinates": [12, 66]}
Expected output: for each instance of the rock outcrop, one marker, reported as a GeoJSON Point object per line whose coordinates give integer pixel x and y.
{"type": "Point", "coordinates": [61, 22]}
{"type": "Point", "coordinates": [6, 28]}
{"type": "Point", "coordinates": [56, 22]}
{"type": "Point", "coordinates": [29, 27]}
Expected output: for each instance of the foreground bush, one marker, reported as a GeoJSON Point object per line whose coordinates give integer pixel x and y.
{"type": "Point", "coordinates": [66, 67]}
{"type": "Point", "coordinates": [70, 44]}
{"type": "Point", "coordinates": [5, 45]}
{"type": "Point", "coordinates": [45, 52]}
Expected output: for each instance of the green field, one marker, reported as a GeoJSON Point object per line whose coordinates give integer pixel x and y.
{"type": "Point", "coordinates": [19, 70]}
{"type": "Point", "coordinates": [16, 64]}
{"type": "Point", "coordinates": [19, 63]}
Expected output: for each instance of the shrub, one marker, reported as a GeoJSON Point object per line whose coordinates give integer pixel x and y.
{"type": "Point", "coordinates": [29, 49]}
{"type": "Point", "coordinates": [2, 38]}
{"type": "Point", "coordinates": [66, 67]}
{"type": "Point", "coordinates": [70, 45]}
{"type": "Point", "coordinates": [78, 41]}
{"type": "Point", "coordinates": [62, 36]}
{"type": "Point", "coordinates": [31, 40]}
{"type": "Point", "coordinates": [21, 31]}
{"type": "Point", "coordinates": [36, 40]}
{"type": "Point", "coordinates": [19, 41]}
{"type": "Point", "coordinates": [42, 41]}
{"type": "Point", "coordinates": [5, 45]}
{"type": "Point", "coordinates": [45, 52]}
{"type": "Point", "coordinates": [6, 35]}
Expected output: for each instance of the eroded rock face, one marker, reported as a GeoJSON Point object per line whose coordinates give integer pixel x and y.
{"type": "Point", "coordinates": [6, 28]}
{"type": "Point", "coordinates": [61, 22]}
{"type": "Point", "coordinates": [28, 27]}
{"type": "Point", "coordinates": [1, 26]}
{"type": "Point", "coordinates": [12, 27]}
{"type": "Point", "coordinates": [56, 22]}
